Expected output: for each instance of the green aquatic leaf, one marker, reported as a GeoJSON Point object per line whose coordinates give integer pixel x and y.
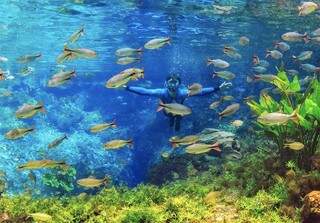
{"type": "Point", "coordinates": [294, 86]}
{"type": "Point", "coordinates": [283, 76]}
{"type": "Point", "coordinates": [312, 108]}
{"type": "Point", "coordinates": [256, 107]}
{"type": "Point", "coordinates": [316, 92]}
{"type": "Point", "coordinates": [286, 107]}
{"type": "Point", "coordinates": [268, 103]}
{"type": "Point", "coordinates": [304, 122]}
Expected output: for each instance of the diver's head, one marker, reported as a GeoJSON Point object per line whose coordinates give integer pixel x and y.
{"type": "Point", "coordinates": [172, 83]}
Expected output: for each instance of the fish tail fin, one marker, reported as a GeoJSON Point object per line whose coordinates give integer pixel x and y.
{"type": "Point", "coordinates": [249, 79]}
{"type": "Point", "coordinates": [214, 74]}
{"type": "Point", "coordinates": [32, 128]}
{"type": "Point", "coordinates": [40, 107]}
{"type": "Point", "coordinates": [268, 53]}
{"type": "Point", "coordinates": [113, 124]}
{"type": "Point", "coordinates": [62, 162]}
{"type": "Point", "coordinates": [294, 116]}
{"type": "Point", "coordinates": [169, 41]}
{"type": "Point", "coordinates": [216, 147]}
{"type": "Point", "coordinates": [276, 44]}
{"type": "Point", "coordinates": [140, 50]}
{"type": "Point", "coordinates": [65, 47]}
{"type": "Point", "coordinates": [130, 143]}
{"type": "Point", "coordinates": [174, 145]}
{"type": "Point", "coordinates": [299, 9]}
{"type": "Point", "coordinates": [160, 107]}
{"type": "Point", "coordinates": [306, 38]}
{"type": "Point", "coordinates": [73, 73]}
{"type": "Point", "coordinates": [105, 179]}
{"type": "Point", "coordinates": [208, 62]}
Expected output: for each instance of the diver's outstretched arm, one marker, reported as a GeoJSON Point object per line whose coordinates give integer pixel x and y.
{"type": "Point", "coordinates": [158, 92]}
{"type": "Point", "coordinates": [207, 91]}
{"type": "Point", "coordinates": [204, 91]}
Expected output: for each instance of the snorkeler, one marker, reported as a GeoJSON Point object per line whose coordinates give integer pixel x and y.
{"type": "Point", "coordinates": [174, 91]}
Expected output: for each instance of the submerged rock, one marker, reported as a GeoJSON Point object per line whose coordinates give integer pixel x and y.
{"type": "Point", "coordinates": [311, 207]}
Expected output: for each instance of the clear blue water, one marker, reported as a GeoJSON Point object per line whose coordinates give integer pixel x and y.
{"type": "Point", "coordinates": [197, 33]}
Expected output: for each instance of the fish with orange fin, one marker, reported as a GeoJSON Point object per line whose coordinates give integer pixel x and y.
{"type": "Point", "coordinates": [183, 141]}
{"type": "Point", "coordinates": [199, 148]}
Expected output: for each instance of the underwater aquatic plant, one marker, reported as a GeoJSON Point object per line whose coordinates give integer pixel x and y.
{"type": "Point", "coordinates": [305, 130]}
{"type": "Point", "coordinates": [60, 179]}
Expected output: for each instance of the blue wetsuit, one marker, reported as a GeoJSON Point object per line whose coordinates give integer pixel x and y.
{"type": "Point", "coordinates": [179, 96]}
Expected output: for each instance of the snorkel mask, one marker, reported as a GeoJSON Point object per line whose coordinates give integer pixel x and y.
{"type": "Point", "coordinates": [172, 83]}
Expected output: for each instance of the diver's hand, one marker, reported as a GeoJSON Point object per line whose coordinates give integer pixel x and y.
{"type": "Point", "coordinates": [225, 85]}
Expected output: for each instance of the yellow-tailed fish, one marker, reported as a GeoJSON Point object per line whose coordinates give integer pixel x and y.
{"type": "Point", "coordinates": [66, 56]}
{"type": "Point", "coordinates": [28, 58]}
{"type": "Point", "coordinates": [215, 104]}
{"type": "Point", "coordinates": [57, 141]}
{"type": "Point", "coordinates": [194, 89]}
{"type": "Point", "coordinates": [218, 63]}
{"type": "Point", "coordinates": [307, 8]}
{"type": "Point", "coordinates": [76, 35]}
{"type": "Point", "coordinates": [81, 52]}
{"type": "Point", "coordinates": [277, 118]}
{"type": "Point", "coordinates": [230, 110]}
{"type": "Point", "coordinates": [227, 98]}
{"type": "Point", "coordinates": [125, 52]}
{"type": "Point", "coordinates": [101, 127]}
{"type": "Point", "coordinates": [157, 43]}
{"type": "Point", "coordinates": [29, 110]}
{"type": "Point", "coordinates": [295, 37]}
{"type": "Point", "coordinates": [121, 79]}
{"type": "Point", "coordinates": [232, 52]}
{"type": "Point", "coordinates": [55, 82]}
{"type": "Point", "coordinates": [282, 46]}
{"type": "Point", "coordinates": [224, 74]}
{"type": "Point", "coordinates": [127, 60]}
{"type": "Point", "coordinates": [174, 109]}
{"type": "Point", "coordinates": [118, 143]}
{"type": "Point", "coordinates": [243, 40]}
{"type": "Point", "coordinates": [305, 55]}
{"type": "Point", "coordinates": [199, 148]}
{"type": "Point", "coordinates": [294, 146]}
{"type": "Point", "coordinates": [92, 182]}
{"type": "Point", "coordinates": [269, 78]}
{"type": "Point", "coordinates": [18, 133]}
{"type": "Point", "coordinates": [275, 54]}
{"type": "Point", "coordinates": [39, 164]}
